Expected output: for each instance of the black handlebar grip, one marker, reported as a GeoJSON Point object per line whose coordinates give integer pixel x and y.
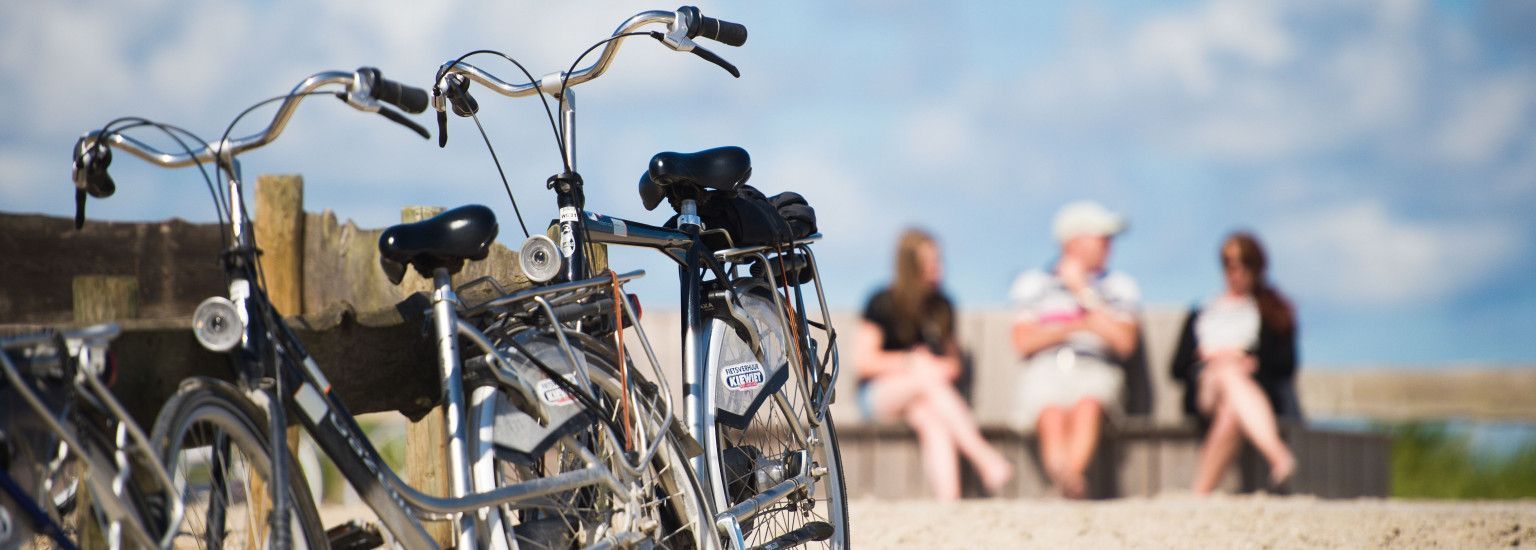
{"type": "Point", "coordinates": [724, 32]}
{"type": "Point", "coordinates": [408, 98]}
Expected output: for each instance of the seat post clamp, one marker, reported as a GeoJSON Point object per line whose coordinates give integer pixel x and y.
{"type": "Point", "coordinates": [689, 214]}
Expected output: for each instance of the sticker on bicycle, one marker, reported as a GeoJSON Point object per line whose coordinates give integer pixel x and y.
{"type": "Point", "coordinates": [553, 394]}
{"type": "Point", "coordinates": [743, 376]}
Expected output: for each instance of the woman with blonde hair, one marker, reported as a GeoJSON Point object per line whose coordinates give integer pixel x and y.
{"type": "Point", "coordinates": [1237, 358]}
{"type": "Point", "coordinates": [907, 359]}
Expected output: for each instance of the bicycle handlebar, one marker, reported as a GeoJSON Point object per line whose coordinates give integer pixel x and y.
{"type": "Point", "coordinates": [364, 89]}
{"type": "Point", "coordinates": [682, 26]}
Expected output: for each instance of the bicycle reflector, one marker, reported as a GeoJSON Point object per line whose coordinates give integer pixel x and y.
{"type": "Point", "coordinates": [539, 259]}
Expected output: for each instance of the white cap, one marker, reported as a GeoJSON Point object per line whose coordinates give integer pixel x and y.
{"type": "Point", "coordinates": [1086, 218]}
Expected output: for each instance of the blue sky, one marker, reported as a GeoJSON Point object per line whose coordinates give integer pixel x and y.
{"type": "Point", "coordinates": [1386, 151]}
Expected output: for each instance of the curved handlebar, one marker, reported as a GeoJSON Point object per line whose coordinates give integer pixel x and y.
{"type": "Point", "coordinates": [364, 89]}
{"type": "Point", "coordinates": [229, 147]}
{"type": "Point", "coordinates": [550, 83]}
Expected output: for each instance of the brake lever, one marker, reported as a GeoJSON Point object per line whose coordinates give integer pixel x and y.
{"type": "Point", "coordinates": [406, 122]}
{"type": "Point", "coordinates": [681, 43]}
{"type": "Point", "coordinates": [90, 176]}
{"type": "Point", "coordinates": [393, 115]}
{"type": "Point", "coordinates": [442, 129]}
{"type": "Point", "coordinates": [79, 209]}
{"type": "Point", "coordinates": [712, 58]}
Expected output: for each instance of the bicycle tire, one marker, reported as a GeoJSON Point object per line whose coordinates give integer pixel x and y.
{"type": "Point", "coordinates": [765, 441]}
{"type": "Point", "coordinates": [571, 523]}
{"type": "Point", "coordinates": [204, 411]}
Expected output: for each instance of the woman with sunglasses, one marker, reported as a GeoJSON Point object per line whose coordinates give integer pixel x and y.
{"type": "Point", "coordinates": [1237, 358]}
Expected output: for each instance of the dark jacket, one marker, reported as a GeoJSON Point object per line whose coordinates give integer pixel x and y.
{"type": "Point", "coordinates": [1276, 355]}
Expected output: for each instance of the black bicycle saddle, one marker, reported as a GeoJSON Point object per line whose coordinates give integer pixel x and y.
{"type": "Point", "coordinates": [446, 240]}
{"type": "Point", "coordinates": [721, 169]}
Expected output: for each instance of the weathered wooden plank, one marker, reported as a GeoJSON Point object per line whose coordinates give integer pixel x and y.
{"type": "Point", "coordinates": [174, 262]}
{"type": "Point", "coordinates": [1419, 394]}
{"type": "Point", "coordinates": [100, 298]}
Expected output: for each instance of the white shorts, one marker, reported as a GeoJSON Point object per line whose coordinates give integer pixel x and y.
{"type": "Point", "coordinates": [1062, 378]}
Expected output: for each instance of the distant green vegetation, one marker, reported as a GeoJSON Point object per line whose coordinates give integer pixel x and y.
{"type": "Point", "coordinates": [1432, 461]}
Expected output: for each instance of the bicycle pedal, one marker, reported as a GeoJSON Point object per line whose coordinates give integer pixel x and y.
{"type": "Point", "coordinates": [816, 531]}
{"type": "Point", "coordinates": [354, 535]}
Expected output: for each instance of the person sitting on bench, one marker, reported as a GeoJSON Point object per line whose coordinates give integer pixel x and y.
{"type": "Point", "coordinates": [1237, 358]}
{"type": "Point", "coordinates": [907, 359]}
{"type": "Point", "coordinates": [1075, 325]}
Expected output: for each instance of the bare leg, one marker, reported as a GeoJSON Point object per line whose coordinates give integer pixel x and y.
{"type": "Point", "coordinates": [940, 461]}
{"type": "Point", "coordinates": [1218, 450]}
{"type": "Point", "coordinates": [1083, 423]}
{"type": "Point", "coordinates": [943, 401]}
{"type": "Point", "coordinates": [1051, 428]}
{"type": "Point", "coordinates": [1243, 395]}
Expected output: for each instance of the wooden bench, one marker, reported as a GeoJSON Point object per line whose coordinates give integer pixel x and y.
{"type": "Point", "coordinates": [1136, 458]}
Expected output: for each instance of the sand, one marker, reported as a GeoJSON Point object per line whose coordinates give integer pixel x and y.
{"type": "Point", "coordinates": [1187, 522]}
{"type": "Point", "coordinates": [1176, 522]}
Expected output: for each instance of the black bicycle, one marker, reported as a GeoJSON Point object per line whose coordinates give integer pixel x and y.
{"type": "Point", "coordinates": [759, 371]}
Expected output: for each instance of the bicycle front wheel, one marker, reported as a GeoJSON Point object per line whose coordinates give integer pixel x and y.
{"type": "Point", "coordinates": [214, 443]}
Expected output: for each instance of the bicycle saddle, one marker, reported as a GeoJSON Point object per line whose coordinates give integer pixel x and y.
{"type": "Point", "coordinates": [721, 168]}
{"type": "Point", "coordinates": [445, 240]}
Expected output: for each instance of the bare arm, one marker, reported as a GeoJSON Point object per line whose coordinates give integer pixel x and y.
{"type": "Point", "coordinates": [1119, 333]}
{"type": "Point", "coordinates": [1029, 337]}
{"type": "Point", "coordinates": [869, 359]}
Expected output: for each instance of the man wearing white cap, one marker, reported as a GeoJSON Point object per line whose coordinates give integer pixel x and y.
{"type": "Point", "coordinates": [1075, 324]}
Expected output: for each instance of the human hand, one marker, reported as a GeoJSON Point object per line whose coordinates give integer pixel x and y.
{"type": "Point", "coordinates": [926, 362]}
{"type": "Point", "coordinates": [1073, 274]}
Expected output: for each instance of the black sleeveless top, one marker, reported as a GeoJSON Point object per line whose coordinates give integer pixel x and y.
{"type": "Point", "coordinates": [933, 329]}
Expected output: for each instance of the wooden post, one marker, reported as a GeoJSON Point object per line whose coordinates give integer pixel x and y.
{"type": "Point", "coordinates": [102, 298]}
{"type": "Point", "coordinates": [279, 227]}
{"type": "Point", "coordinates": [280, 234]}
{"type": "Point", "coordinates": [98, 299]}
{"type": "Point", "coordinates": [426, 440]}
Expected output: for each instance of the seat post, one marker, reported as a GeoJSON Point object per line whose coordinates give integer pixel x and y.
{"type": "Point", "coordinates": [445, 329]}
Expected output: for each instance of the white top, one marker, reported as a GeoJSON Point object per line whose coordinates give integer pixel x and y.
{"type": "Point", "coordinates": [1228, 322]}
{"type": "Point", "coordinates": [1041, 297]}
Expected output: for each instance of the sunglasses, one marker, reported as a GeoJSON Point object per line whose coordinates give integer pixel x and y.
{"type": "Point", "coordinates": [1229, 263]}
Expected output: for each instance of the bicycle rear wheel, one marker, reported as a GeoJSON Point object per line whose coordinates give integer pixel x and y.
{"type": "Point", "coordinates": [669, 497]}
{"type": "Point", "coordinates": [761, 447]}
{"type": "Point", "coordinates": [214, 443]}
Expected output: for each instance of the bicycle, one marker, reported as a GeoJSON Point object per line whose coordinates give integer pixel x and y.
{"type": "Point", "coordinates": [214, 425]}
{"type": "Point", "coordinates": [71, 459]}
{"type": "Point", "coordinates": [745, 344]}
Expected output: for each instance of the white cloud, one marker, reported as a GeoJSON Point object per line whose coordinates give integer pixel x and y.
{"type": "Point", "coordinates": [1360, 254]}
{"type": "Point", "coordinates": [939, 137]}
{"type": "Point", "coordinates": [1486, 119]}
